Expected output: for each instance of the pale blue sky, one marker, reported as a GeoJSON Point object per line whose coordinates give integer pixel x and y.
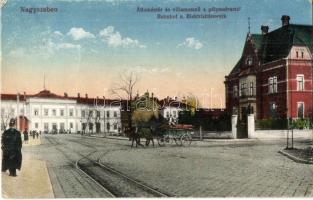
{"type": "Point", "coordinates": [108, 36]}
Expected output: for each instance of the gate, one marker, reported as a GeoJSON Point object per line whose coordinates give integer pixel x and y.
{"type": "Point", "coordinates": [242, 125]}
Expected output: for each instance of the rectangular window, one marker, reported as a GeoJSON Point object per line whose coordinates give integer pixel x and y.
{"type": "Point", "coordinates": [115, 126]}
{"type": "Point", "coordinates": [302, 54]}
{"type": "Point", "coordinates": [275, 84]}
{"type": "Point", "coordinates": [98, 113]}
{"type": "Point", "coordinates": [300, 110]}
{"type": "Point", "coordinates": [90, 113]}
{"type": "Point", "coordinates": [46, 126]}
{"type": "Point", "coordinates": [167, 114]}
{"type": "Point", "coordinates": [115, 114]}
{"type": "Point", "coordinates": [83, 113]}
{"type": "Point", "coordinates": [300, 82]}
{"type": "Point", "coordinates": [36, 125]}
{"type": "Point", "coordinates": [243, 89]}
{"type": "Point", "coordinates": [46, 112]}
{"type": "Point", "coordinates": [71, 112]}
{"type": "Point", "coordinates": [249, 61]}
{"type": "Point", "coordinates": [54, 112]}
{"type": "Point", "coordinates": [235, 91]}
{"type": "Point", "coordinates": [71, 125]}
{"type": "Point", "coordinates": [108, 126]}
{"type": "Point", "coordinates": [272, 110]}
{"type": "Point", "coordinates": [251, 89]}
{"type": "Point", "coordinates": [61, 112]}
{"type": "Point", "coordinates": [297, 54]}
{"type": "Point", "coordinates": [36, 112]}
{"type": "Point", "coordinates": [108, 114]}
{"type": "Point", "coordinates": [270, 85]}
{"type": "Point", "coordinates": [54, 127]}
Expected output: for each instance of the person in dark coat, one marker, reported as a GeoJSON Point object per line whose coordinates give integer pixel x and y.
{"type": "Point", "coordinates": [37, 134]}
{"type": "Point", "coordinates": [33, 134]}
{"type": "Point", "coordinates": [11, 145]}
{"type": "Point", "coordinates": [25, 133]}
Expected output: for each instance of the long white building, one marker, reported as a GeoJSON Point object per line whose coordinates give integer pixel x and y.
{"type": "Point", "coordinates": [51, 113]}
{"type": "Point", "coordinates": [48, 112]}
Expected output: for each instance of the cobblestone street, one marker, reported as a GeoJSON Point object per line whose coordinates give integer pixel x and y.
{"type": "Point", "coordinates": [212, 168]}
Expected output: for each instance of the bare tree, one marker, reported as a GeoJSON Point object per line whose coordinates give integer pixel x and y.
{"type": "Point", "coordinates": [124, 89]}
{"type": "Point", "coordinates": [5, 118]}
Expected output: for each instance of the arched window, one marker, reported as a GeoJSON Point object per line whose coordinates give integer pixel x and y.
{"type": "Point", "coordinates": [249, 61]}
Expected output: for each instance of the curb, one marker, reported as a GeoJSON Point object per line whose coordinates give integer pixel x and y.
{"type": "Point", "coordinates": [294, 158]}
{"type": "Point", "coordinates": [111, 138]}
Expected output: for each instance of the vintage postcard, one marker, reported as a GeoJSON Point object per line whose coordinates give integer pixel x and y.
{"type": "Point", "coordinates": [163, 98]}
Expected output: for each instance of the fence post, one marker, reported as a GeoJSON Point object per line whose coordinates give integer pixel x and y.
{"type": "Point", "coordinates": [234, 119]}
{"type": "Point", "coordinates": [200, 131]}
{"type": "Point", "coordinates": [251, 125]}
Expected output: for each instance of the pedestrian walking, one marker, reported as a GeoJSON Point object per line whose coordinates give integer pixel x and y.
{"type": "Point", "coordinates": [25, 133]}
{"type": "Point", "coordinates": [11, 145]}
{"type": "Point", "coordinates": [37, 134]}
{"type": "Point", "coordinates": [33, 134]}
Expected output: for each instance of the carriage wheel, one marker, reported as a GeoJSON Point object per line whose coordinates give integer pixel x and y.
{"type": "Point", "coordinates": [178, 141]}
{"type": "Point", "coordinates": [168, 139]}
{"type": "Point", "coordinates": [186, 139]}
{"type": "Point", "coordinates": [161, 141]}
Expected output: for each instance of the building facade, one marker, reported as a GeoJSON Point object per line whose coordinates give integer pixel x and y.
{"type": "Point", "coordinates": [273, 78]}
{"type": "Point", "coordinates": [51, 113]}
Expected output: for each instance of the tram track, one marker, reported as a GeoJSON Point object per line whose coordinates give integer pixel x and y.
{"type": "Point", "coordinates": [118, 183]}
{"type": "Point", "coordinates": [113, 182]}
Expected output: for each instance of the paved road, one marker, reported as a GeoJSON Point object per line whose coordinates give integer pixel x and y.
{"type": "Point", "coordinates": [61, 153]}
{"type": "Point", "coordinates": [245, 168]}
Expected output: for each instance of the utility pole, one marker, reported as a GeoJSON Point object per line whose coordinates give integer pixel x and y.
{"type": "Point", "coordinates": [200, 131]}
{"type": "Point", "coordinates": [17, 111]}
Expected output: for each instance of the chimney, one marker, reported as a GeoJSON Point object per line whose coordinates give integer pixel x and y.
{"type": "Point", "coordinates": [24, 94]}
{"type": "Point", "coordinates": [264, 29]}
{"type": "Point", "coordinates": [78, 95]}
{"type": "Point", "coordinates": [152, 95]}
{"type": "Point", "coordinates": [285, 20]}
{"type": "Point", "coordinates": [86, 95]}
{"type": "Point", "coordinates": [65, 94]}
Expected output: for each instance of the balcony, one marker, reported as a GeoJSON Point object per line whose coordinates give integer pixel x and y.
{"type": "Point", "coordinates": [247, 96]}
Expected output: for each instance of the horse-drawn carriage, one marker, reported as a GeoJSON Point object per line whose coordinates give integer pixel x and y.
{"type": "Point", "coordinates": [180, 134]}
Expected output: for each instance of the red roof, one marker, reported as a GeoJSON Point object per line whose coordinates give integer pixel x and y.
{"type": "Point", "coordinates": [50, 95]}
{"type": "Point", "coordinates": [91, 101]}
{"type": "Point", "coordinates": [12, 97]}
{"type": "Point", "coordinates": [47, 94]}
